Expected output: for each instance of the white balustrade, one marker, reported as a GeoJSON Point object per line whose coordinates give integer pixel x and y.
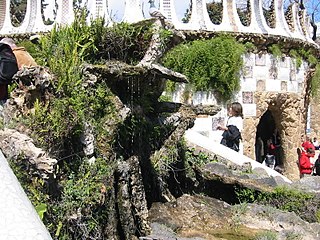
{"type": "Point", "coordinates": [199, 19]}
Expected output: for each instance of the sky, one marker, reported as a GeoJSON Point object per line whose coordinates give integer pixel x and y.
{"type": "Point", "coordinates": [116, 7]}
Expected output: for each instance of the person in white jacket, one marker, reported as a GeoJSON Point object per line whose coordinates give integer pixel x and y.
{"type": "Point", "coordinates": [232, 131]}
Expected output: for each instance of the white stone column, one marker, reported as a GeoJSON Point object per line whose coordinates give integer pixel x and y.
{"type": "Point", "coordinates": [226, 22]}
{"type": "Point", "coordinates": [18, 220]}
{"type": "Point", "coordinates": [6, 25]}
{"type": "Point", "coordinates": [297, 33]}
{"type": "Point", "coordinates": [33, 21]}
{"type": "Point", "coordinates": [132, 11]}
{"type": "Point", "coordinates": [65, 12]}
{"type": "Point", "coordinates": [167, 7]}
{"type": "Point", "coordinates": [98, 8]}
{"type": "Point", "coordinates": [282, 27]}
{"type": "Point", "coordinates": [200, 19]}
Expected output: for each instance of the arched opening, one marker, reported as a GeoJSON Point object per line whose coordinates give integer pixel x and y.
{"type": "Point", "coordinates": [268, 139]}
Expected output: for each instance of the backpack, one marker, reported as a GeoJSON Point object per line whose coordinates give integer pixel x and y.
{"type": "Point", "coordinates": [8, 64]}
{"type": "Point", "coordinates": [231, 138]}
{"type": "Point", "coordinates": [270, 161]}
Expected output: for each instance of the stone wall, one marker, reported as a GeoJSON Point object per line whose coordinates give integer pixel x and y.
{"type": "Point", "coordinates": [315, 118]}
{"type": "Point", "coordinates": [289, 115]}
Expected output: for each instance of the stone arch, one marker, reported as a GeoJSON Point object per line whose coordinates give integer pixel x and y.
{"type": "Point", "coordinates": [266, 129]}
{"type": "Point", "coordinates": [289, 118]}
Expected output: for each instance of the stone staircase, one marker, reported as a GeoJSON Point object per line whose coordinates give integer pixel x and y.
{"type": "Point", "coordinates": [196, 139]}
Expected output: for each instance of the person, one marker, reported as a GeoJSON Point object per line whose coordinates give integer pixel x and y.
{"type": "Point", "coordinates": [305, 166]}
{"type": "Point", "coordinates": [307, 144]}
{"type": "Point", "coordinates": [8, 67]}
{"type": "Point", "coordinates": [316, 167]}
{"type": "Point", "coordinates": [270, 159]}
{"type": "Point", "coordinates": [232, 131]}
{"type": "Point", "coordinates": [22, 56]}
{"type": "Point", "coordinates": [259, 149]}
{"type": "Point", "coordinates": [276, 142]}
{"type": "Point", "coordinates": [23, 59]}
{"type": "Point", "coordinates": [315, 143]}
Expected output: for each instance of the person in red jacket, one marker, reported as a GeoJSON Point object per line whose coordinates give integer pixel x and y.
{"type": "Point", "coordinates": [305, 166]}
{"type": "Point", "coordinates": [307, 144]}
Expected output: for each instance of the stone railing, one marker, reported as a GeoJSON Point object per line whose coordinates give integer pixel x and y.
{"type": "Point", "coordinates": [297, 25]}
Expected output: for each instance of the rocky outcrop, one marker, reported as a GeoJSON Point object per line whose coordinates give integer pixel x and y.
{"type": "Point", "coordinates": [15, 145]}
{"type": "Point", "coordinates": [201, 217]}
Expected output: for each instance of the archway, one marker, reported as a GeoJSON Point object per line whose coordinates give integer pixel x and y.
{"type": "Point", "coordinates": [268, 139]}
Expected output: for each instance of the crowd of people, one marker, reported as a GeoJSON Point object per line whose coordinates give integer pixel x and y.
{"type": "Point", "coordinates": [269, 150]}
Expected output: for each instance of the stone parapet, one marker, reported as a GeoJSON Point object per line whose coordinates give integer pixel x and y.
{"type": "Point", "coordinates": [294, 24]}
{"type": "Point", "coordinates": [18, 220]}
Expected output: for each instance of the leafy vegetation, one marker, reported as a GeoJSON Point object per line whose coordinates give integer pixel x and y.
{"type": "Point", "coordinates": [73, 205]}
{"type": "Point", "coordinates": [291, 200]}
{"type": "Point", "coordinates": [209, 64]}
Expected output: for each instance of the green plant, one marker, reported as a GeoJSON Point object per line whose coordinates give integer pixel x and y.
{"type": "Point", "coordinates": [291, 235]}
{"type": "Point", "coordinates": [315, 81]}
{"type": "Point", "coordinates": [237, 212]}
{"type": "Point", "coordinates": [318, 216]}
{"type": "Point", "coordinates": [245, 195]}
{"type": "Point", "coordinates": [275, 50]}
{"type": "Point", "coordinates": [209, 64]}
{"type": "Point", "coordinates": [266, 235]}
{"type": "Point", "coordinates": [286, 199]}
{"type": "Point", "coordinates": [294, 53]}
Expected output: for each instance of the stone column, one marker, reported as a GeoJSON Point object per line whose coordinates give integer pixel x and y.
{"type": "Point", "coordinates": [297, 30]}
{"type": "Point", "coordinates": [132, 11]}
{"type": "Point", "coordinates": [33, 21]}
{"type": "Point", "coordinates": [289, 107]}
{"type": "Point", "coordinates": [19, 219]}
{"type": "Point", "coordinates": [288, 112]}
{"type": "Point", "coordinates": [5, 19]}
{"type": "Point", "coordinates": [282, 27]}
{"type": "Point", "coordinates": [65, 13]}
{"type": "Point", "coordinates": [98, 8]}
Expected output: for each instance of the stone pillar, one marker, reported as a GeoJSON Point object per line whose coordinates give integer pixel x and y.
{"type": "Point", "coordinates": [33, 21]}
{"type": "Point", "coordinates": [132, 11]}
{"type": "Point", "coordinates": [291, 123]}
{"type": "Point", "coordinates": [197, 20]}
{"type": "Point", "coordinates": [297, 30]}
{"type": "Point", "coordinates": [18, 220]}
{"type": "Point", "coordinates": [99, 8]}
{"type": "Point", "coordinates": [65, 13]}
{"type": "Point", "coordinates": [281, 25]}
{"type": "Point", "coordinates": [167, 7]}
{"type": "Point", "coordinates": [5, 19]}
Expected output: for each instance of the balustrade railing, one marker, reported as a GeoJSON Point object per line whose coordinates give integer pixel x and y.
{"type": "Point", "coordinates": [296, 25]}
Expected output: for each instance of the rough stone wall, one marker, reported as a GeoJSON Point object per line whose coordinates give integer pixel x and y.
{"type": "Point", "coordinates": [315, 118]}
{"type": "Point", "coordinates": [288, 112]}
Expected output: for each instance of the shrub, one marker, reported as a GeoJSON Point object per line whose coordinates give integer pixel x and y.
{"type": "Point", "coordinates": [213, 64]}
